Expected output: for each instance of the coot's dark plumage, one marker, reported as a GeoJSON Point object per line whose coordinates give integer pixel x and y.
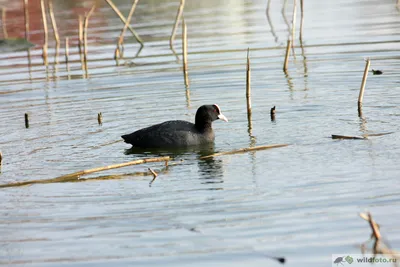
{"type": "Point", "coordinates": [176, 134]}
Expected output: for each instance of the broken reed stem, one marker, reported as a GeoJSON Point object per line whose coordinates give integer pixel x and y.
{"type": "Point", "coordinates": [85, 45]}
{"type": "Point", "coordinates": [53, 22]}
{"type": "Point", "coordinates": [177, 18]}
{"type": "Point", "coordinates": [243, 150]}
{"type": "Point", "coordinates": [289, 43]}
{"type": "Point", "coordinates": [3, 22]}
{"type": "Point", "coordinates": [100, 118]}
{"type": "Point", "coordinates": [154, 176]}
{"type": "Point", "coordinates": [364, 80]}
{"type": "Point", "coordinates": [302, 20]}
{"type": "Point", "coordinates": [26, 120]}
{"type": "Point", "coordinates": [121, 36]}
{"type": "Point", "coordinates": [122, 18]}
{"type": "Point", "coordinates": [26, 13]}
{"type": "Point", "coordinates": [294, 25]}
{"type": "Point", "coordinates": [374, 226]}
{"type": "Point", "coordinates": [184, 53]}
{"type": "Point", "coordinates": [46, 38]}
{"type": "Point", "coordinates": [67, 53]}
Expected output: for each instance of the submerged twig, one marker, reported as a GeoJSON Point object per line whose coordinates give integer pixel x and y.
{"type": "Point", "coordinates": [154, 176]}
{"type": "Point", "coordinates": [178, 17]}
{"type": "Point", "coordinates": [244, 150]}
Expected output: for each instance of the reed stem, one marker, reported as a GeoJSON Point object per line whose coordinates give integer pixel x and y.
{"type": "Point", "coordinates": [118, 52]}
{"type": "Point", "coordinates": [177, 19]}
{"type": "Point", "coordinates": [85, 34]}
{"type": "Point", "coordinates": [46, 38]}
{"type": "Point", "coordinates": [363, 82]}
{"type": "Point", "coordinates": [289, 43]}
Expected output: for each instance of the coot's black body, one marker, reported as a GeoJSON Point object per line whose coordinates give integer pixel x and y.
{"type": "Point", "coordinates": [177, 133]}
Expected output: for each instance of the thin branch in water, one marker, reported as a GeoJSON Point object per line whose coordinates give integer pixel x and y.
{"type": "Point", "coordinates": [177, 19]}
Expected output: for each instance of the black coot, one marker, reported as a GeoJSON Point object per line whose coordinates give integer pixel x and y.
{"type": "Point", "coordinates": [177, 134]}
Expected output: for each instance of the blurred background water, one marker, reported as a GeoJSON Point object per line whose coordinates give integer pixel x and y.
{"type": "Point", "coordinates": [300, 201]}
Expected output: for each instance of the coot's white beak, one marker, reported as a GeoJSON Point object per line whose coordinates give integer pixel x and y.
{"type": "Point", "coordinates": [222, 117]}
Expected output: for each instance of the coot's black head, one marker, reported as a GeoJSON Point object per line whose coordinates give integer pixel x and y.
{"type": "Point", "coordinates": [206, 114]}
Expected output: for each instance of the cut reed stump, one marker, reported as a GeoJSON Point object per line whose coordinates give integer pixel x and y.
{"type": "Point", "coordinates": [285, 64]}
{"type": "Point", "coordinates": [100, 118]}
{"type": "Point", "coordinates": [273, 111]}
{"type": "Point", "coordinates": [244, 150]}
{"type": "Point", "coordinates": [26, 120]}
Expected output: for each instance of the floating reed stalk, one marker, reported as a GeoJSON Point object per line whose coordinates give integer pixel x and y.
{"type": "Point", "coordinates": [302, 20]}
{"type": "Point", "coordinates": [46, 38]}
{"type": "Point", "coordinates": [118, 52]}
{"type": "Point", "coordinates": [184, 53]}
{"type": "Point", "coordinates": [289, 44]}
{"type": "Point", "coordinates": [85, 33]}
{"type": "Point", "coordinates": [73, 177]}
{"type": "Point", "coordinates": [243, 150]}
{"type": "Point", "coordinates": [154, 176]}
{"type": "Point", "coordinates": [177, 19]}
{"type": "Point", "coordinates": [100, 118]}
{"type": "Point", "coordinates": [3, 22]}
{"type": "Point", "coordinates": [364, 81]}
{"type": "Point", "coordinates": [54, 23]}
{"type": "Point", "coordinates": [122, 18]}
{"type": "Point", "coordinates": [273, 111]}
{"type": "Point", "coordinates": [26, 120]}
{"type": "Point", "coordinates": [26, 13]}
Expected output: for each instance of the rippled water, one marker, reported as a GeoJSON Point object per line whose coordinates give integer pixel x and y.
{"type": "Point", "coordinates": [300, 201]}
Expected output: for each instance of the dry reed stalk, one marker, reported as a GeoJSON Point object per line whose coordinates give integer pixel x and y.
{"type": "Point", "coordinates": [118, 52]}
{"type": "Point", "coordinates": [100, 118]}
{"type": "Point", "coordinates": [248, 82]}
{"type": "Point", "coordinates": [184, 53]}
{"type": "Point", "coordinates": [294, 25]}
{"type": "Point", "coordinates": [26, 120]}
{"type": "Point", "coordinates": [289, 43]}
{"type": "Point", "coordinates": [302, 20]}
{"type": "Point", "coordinates": [243, 150]}
{"type": "Point", "coordinates": [272, 112]}
{"type": "Point", "coordinates": [122, 18]}
{"type": "Point", "coordinates": [80, 41]}
{"type": "Point", "coordinates": [85, 45]}
{"type": "Point", "coordinates": [46, 38]}
{"type": "Point", "coordinates": [4, 22]}
{"type": "Point", "coordinates": [53, 22]}
{"type": "Point", "coordinates": [336, 136]}
{"type": "Point", "coordinates": [364, 81]}
{"type": "Point", "coordinates": [154, 176]}
{"type": "Point", "coordinates": [26, 14]}
{"type": "Point", "coordinates": [177, 19]}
